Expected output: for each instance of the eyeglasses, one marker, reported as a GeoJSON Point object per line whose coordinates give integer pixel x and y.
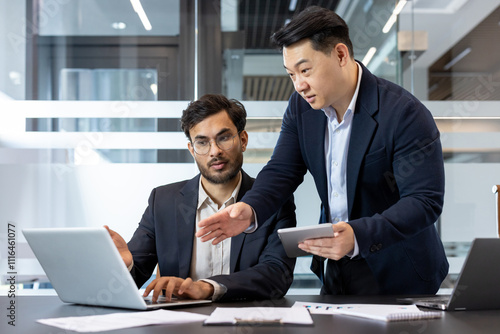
{"type": "Point", "coordinates": [224, 142]}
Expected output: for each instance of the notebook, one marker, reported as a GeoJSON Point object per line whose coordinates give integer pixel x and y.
{"type": "Point", "coordinates": [384, 312]}
{"type": "Point", "coordinates": [388, 312]}
{"type": "Point", "coordinates": [85, 267]}
{"type": "Point", "coordinates": [477, 286]}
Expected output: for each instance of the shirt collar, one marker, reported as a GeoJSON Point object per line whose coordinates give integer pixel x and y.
{"type": "Point", "coordinates": [330, 111]}
{"type": "Point", "coordinates": [203, 196]}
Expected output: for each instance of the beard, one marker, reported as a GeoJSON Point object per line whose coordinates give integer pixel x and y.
{"type": "Point", "coordinates": [228, 173]}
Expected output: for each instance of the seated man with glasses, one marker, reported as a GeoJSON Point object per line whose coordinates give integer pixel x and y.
{"type": "Point", "coordinates": [248, 266]}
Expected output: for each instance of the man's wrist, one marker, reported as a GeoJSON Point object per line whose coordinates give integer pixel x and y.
{"type": "Point", "coordinates": [355, 251]}
{"type": "Point", "coordinates": [253, 225]}
{"type": "Point", "coordinates": [207, 288]}
{"type": "Point", "coordinates": [131, 265]}
{"type": "Point", "coordinates": [217, 290]}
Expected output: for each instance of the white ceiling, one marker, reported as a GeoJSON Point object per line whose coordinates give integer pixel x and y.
{"type": "Point", "coordinates": [435, 6]}
{"type": "Point", "coordinates": [445, 27]}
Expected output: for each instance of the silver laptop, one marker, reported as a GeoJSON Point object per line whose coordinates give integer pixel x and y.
{"type": "Point", "coordinates": [477, 286]}
{"type": "Point", "coordinates": [84, 267]}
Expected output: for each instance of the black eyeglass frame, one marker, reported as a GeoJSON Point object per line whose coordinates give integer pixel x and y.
{"type": "Point", "coordinates": [209, 146]}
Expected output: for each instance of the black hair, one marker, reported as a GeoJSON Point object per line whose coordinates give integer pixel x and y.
{"type": "Point", "coordinates": [323, 27]}
{"type": "Point", "coordinates": [211, 104]}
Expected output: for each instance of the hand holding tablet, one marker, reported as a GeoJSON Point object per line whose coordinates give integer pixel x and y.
{"type": "Point", "coordinates": [291, 237]}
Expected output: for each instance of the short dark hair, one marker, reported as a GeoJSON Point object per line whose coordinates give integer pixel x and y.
{"type": "Point", "coordinates": [211, 104]}
{"type": "Point", "coordinates": [323, 27]}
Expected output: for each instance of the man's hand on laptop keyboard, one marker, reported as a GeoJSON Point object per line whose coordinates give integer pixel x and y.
{"type": "Point", "coordinates": [122, 247]}
{"type": "Point", "coordinates": [183, 288]}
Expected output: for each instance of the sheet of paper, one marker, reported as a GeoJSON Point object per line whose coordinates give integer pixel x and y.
{"type": "Point", "coordinates": [260, 315]}
{"type": "Point", "coordinates": [320, 308]}
{"type": "Point", "coordinates": [106, 322]}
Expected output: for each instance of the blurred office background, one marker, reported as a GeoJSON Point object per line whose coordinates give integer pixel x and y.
{"type": "Point", "coordinates": [91, 92]}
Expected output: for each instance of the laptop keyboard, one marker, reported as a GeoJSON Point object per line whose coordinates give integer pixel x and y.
{"type": "Point", "coordinates": [161, 300]}
{"type": "Point", "coordinates": [444, 299]}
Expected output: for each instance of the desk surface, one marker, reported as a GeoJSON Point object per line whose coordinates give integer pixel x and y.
{"type": "Point", "coordinates": [31, 308]}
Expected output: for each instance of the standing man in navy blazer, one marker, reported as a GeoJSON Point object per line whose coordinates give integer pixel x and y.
{"type": "Point", "coordinates": [375, 155]}
{"type": "Point", "coordinates": [247, 266]}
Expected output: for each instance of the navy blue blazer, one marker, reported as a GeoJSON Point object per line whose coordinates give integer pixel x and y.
{"type": "Point", "coordinates": [259, 266]}
{"type": "Point", "coordinates": [395, 181]}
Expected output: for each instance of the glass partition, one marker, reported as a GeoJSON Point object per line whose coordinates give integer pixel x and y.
{"type": "Point", "coordinates": [108, 18]}
{"type": "Point", "coordinates": [90, 101]}
{"type": "Point", "coordinates": [253, 67]}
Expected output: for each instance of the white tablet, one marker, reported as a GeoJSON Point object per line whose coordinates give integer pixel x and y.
{"type": "Point", "coordinates": [290, 237]}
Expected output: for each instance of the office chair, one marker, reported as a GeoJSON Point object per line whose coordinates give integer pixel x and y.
{"type": "Point", "coordinates": [496, 190]}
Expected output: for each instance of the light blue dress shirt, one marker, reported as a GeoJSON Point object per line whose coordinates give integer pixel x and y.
{"type": "Point", "coordinates": [336, 147]}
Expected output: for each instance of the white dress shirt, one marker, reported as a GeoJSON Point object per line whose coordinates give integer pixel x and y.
{"type": "Point", "coordinates": [336, 147]}
{"type": "Point", "coordinates": [207, 259]}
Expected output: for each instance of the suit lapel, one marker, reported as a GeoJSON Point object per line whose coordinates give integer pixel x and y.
{"type": "Point", "coordinates": [185, 212]}
{"type": "Point", "coordinates": [363, 129]}
{"type": "Point", "coordinates": [314, 123]}
{"type": "Point", "coordinates": [237, 241]}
